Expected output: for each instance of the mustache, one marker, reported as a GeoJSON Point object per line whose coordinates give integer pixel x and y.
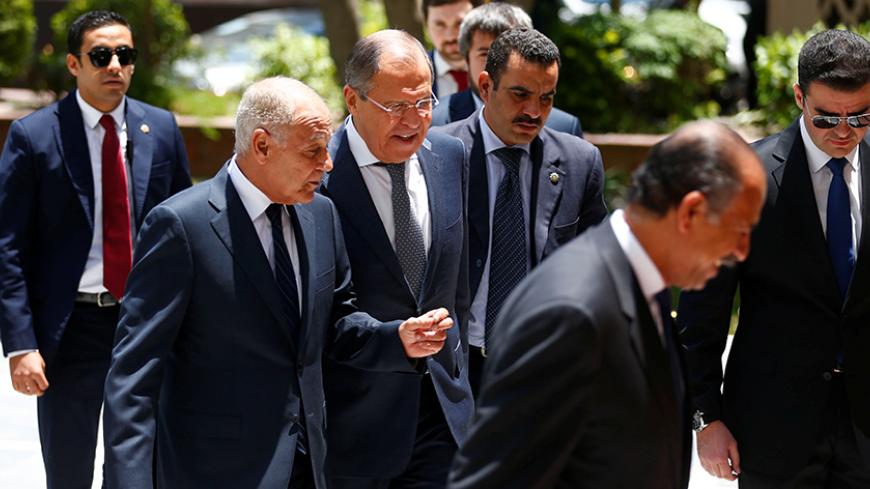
{"type": "Point", "coordinates": [524, 119]}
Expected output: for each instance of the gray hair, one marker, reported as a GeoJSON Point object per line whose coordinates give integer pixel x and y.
{"type": "Point", "coordinates": [269, 104]}
{"type": "Point", "coordinates": [491, 18]}
{"type": "Point", "coordinates": [362, 64]}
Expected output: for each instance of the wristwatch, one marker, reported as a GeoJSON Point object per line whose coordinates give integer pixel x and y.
{"type": "Point", "coordinates": [698, 423]}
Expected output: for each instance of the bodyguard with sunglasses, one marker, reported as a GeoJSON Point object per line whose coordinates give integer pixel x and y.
{"type": "Point", "coordinates": [76, 180]}
{"type": "Point", "coordinates": [795, 408]}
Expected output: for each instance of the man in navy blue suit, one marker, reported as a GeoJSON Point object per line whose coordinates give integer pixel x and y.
{"type": "Point", "coordinates": [240, 286]}
{"type": "Point", "coordinates": [401, 198]}
{"type": "Point", "coordinates": [552, 181]}
{"type": "Point", "coordinates": [442, 19]}
{"type": "Point", "coordinates": [478, 31]}
{"type": "Point", "coordinates": [76, 180]}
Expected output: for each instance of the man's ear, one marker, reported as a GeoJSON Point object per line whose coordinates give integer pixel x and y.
{"type": "Point", "coordinates": [485, 84]}
{"type": "Point", "coordinates": [692, 207]}
{"type": "Point", "coordinates": [798, 96]}
{"type": "Point", "coordinates": [351, 99]}
{"type": "Point", "coordinates": [72, 64]}
{"type": "Point", "coordinates": [261, 143]}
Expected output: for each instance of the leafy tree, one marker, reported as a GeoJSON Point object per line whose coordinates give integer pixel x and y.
{"type": "Point", "coordinates": [17, 29]}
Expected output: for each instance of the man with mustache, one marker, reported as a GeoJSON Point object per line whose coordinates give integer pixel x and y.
{"type": "Point", "coordinates": [76, 181]}
{"type": "Point", "coordinates": [442, 19]}
{"type": "Point", "coordinates": [531, 189]}
{"type": "Point", "coordinates": [792, 409]}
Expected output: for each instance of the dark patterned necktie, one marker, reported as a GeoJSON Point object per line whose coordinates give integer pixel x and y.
{"type": "Point", "coordinates": [285, 276]}
{"type": "Point", "coordinates": [672, 345]}
{"type": "Point", "coordinates": [508, 259]}
{"type": "Point", "coordinates": [410, 248]}
{"type": "Point", "coordinates": [839, 226]}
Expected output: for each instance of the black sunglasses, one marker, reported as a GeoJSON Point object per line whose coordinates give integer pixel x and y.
{"type": "Point", "coordinates": [832, 121]}
{"type": "Point", "coordinates": [101, 57]}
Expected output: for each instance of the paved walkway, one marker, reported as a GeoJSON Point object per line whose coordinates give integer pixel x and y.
{"type": "Point", "coordinates": [21, 461]}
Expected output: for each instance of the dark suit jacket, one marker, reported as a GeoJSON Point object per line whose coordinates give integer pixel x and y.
{"type": "Point", "coordinates": [792, 324]}
{"type": "Point", "coordinates": [559, 211]}
{"type": "Point", "coordinates": [204, 361]}
{"type": "Point", "coordinates": [577, 391]}
{"type": "Point", "coordinates": [373, 416]}
{"type": "Point", "coordinates": [461, 105]}
{"type": "Point", "coordinates": [47, 210]}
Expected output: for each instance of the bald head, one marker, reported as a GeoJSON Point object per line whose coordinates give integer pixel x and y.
{"type": "Point", "coordinates": [386, 46]}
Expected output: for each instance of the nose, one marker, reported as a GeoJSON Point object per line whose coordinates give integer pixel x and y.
{"type": "Point", "coordinates": [114, 64]}
{"type": "Point", "coordinates": [326, 165]}
{"type": "Point", "coordinates": [741, 250]}
{"type": "Point", "coordinates": [532, 107]}
{"type": "Point", "coordinates": [842, 130]}
{"type": "Point", "coordinates": [411, 118]}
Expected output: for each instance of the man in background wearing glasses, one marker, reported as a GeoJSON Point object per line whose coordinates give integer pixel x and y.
{"type": "Point", "coordinates": [401, 199]}
{"type": "Point", "coordinates": [795, 408]}
{"type": "Point", "coordinates": [76, 180]}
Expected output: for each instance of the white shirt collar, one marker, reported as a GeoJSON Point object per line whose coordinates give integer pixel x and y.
{"type": "Point", "coordinates": [254, 200]}
{"type": "Point", "coordinates": [92, 116]}
{"type": "Point", "coordinates": [440, 64]}
{"type": "Point", "coordinates": [358, 146]}
{"type": "Point", "coordinates": [648, 276]}
{"type": "Point", "coordinates": [491, 142]}
{"type": "Point", "coordinates": [816, 158]}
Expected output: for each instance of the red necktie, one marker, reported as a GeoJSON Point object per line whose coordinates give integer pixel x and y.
{"type": "Point", "coordinates": [461, 78]}
{"type": "Point", "coordinates": [117, 240]}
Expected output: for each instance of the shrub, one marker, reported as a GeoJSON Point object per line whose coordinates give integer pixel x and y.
{"type": "Point", "coordinates": [626, 74]}
{"type": "Point", "coordinates": [17, 29]}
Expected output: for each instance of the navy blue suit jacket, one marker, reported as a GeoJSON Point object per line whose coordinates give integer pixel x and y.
{"type": "Point", "coordinates": [461, 105]}
{"type": "Point", "coordinates": [204, 361]}
{"type": "Point", "coordinates": [372, 417]}
{"type": "Point", "coordinates": [47, 210]}
{"type": "Point", "coordinates": [566, 198]}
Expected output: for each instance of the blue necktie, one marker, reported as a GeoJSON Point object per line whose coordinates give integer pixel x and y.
{"type": "Point", "coordinates": [839, 226]}
{"type": "Point", "coordinates": [508, 259]}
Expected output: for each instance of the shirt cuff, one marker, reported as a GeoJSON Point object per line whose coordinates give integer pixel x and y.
{"type": "Point", "coordinates": [18, 353]}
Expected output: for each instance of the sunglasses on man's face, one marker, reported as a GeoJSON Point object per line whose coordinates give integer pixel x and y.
{"type": "Point", "coordinates": [101, 56]}
{"type": "Point", "coordinates": [832, 121]}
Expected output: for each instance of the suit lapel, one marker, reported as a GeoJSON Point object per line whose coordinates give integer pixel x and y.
{"type": "Point", "coordinates": [348, 190]}
{"type": "Point", "coordinates": [545, 193]}
{"type": "Point", "coordinates": [461, 105]}
{"type": "Point", "coordinates": [305, 232]}
{"type": "Point", "coordinates": [478, 204]}
{"type": "Point", "coordinates": [141, 147]}
{"type": "Point", "coordinates": [430, 162]}
{"type": "Point", "coordinates": [234, 228]}
{"type": "Point", "coordinates": [70, 134]}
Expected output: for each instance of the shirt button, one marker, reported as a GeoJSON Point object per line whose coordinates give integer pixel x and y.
{"type": "Point", "coordinates": [827, 376]}
{"type": "Point", "coordinates": [478, 263]}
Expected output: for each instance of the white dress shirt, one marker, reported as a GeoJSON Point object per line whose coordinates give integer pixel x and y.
{"type": "Point", "coordinates": [648, 276]}
{"type": "Point", "coordinates": [92, 278]}
{"type": "Point", "coordinates": [380, 187]}
{"type": "Point", "coordinates": [256, 203]}
{"type": "Point", "coordinates": [821, 177]}
{"type": "Point", "coordinates": [446, 83]}
{"type": "Point", "coordinates": [495, 172]}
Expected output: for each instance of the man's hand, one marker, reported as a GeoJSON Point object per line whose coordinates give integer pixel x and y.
{"type": "Point", "coordinates": [717, 450]}
{"type": "Point", "coordinates": [28, 374]}
{"type": "Point", "coordinates": [423, 336]}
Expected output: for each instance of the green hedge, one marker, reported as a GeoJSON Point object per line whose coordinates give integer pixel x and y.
{"type": "Point", "coordinates": [623, 74]}
{"type": "Point", "coordinates": [17, 30]}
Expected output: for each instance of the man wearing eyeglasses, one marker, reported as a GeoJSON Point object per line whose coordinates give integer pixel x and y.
{"type": "Point", "coordinates": [794, 410]}
{"type": "Point", "coordinates": [76, 180]}
{"type": "Point", "coordinates": [401, 199]}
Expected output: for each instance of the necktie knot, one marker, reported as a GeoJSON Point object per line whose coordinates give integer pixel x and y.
{"type": "Point", "coordinates": [107, 122]}
{"type": "Point", "coordinates": [273, 212]}
{"type": "Point", "coordinates": [837, 165]}
{"type": "Point", "coordinates": [510, 158]}
{"type": "Point", "coordinates": [396, 171]}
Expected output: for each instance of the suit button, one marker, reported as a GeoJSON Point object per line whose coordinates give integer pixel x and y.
{"type": "Point", "coordinates": [827, 376]}
{"type": "Point", "coordinates": [419, 311]}
{"type": "Point", "coordinates": [478, 263]}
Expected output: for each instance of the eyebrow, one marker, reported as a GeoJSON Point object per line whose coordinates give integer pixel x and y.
{"type": "Point", "coordinates": [849, 114]}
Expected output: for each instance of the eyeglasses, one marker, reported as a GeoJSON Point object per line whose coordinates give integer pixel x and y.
{"type": "Point", "coordinates": [397, 110]}
{"type": "Point", "coordinates": [101, 56]}
{"type": "Point", "coordinates": [832, 121]}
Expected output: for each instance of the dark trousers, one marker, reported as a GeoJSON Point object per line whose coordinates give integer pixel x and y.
{"type": "Point", "coordinates": [69, 411]}
{"type": "Point", "coordinates": [836, 461]}
{"type": "Point", "coordinates": [475, 369]}
{"type": "Point", "coordinates": [433, 452]}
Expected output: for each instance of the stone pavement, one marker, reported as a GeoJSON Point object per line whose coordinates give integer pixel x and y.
{"type": "Point", "coordinates": [21, 461]}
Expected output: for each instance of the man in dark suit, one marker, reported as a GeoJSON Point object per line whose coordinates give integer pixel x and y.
{"type": "Point", "coordinates": [239, 286]}
{"type": "Point", "coordinates": [478, 31]}
{"type": "Point", "coordinates": [796, 395]}
{"type": "Point", "coordinates": [76, 180]}
{"type": "Point", "coordinates": [585, 385]}
{"type": "Point", "coordinates": [559, 179]}
{"type": "Point", "coordinates": [442, 19]}
{"type": "Point", "coordinates": [401, 198]}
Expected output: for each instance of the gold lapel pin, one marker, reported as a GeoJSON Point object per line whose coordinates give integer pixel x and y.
{"type": "Point", "coordinates": [554, 178]}
{"type": "Point", "coordinates": [146, 129]}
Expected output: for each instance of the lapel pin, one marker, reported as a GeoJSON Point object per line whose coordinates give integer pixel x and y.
{"type": "Point", "coordinates": [554, 178]}
{"type": "Point", "coordinates": [146, 129]}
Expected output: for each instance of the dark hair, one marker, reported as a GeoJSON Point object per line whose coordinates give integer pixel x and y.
{"type": "Point", "coordinates": [699, 156]}
{"type": "Point", "coordinates": [437, 3]}
{"type": "Point", "coordinates": [362, 63]}
{"type": "Point", "coordinates": [493, 19]}
{"type": "Point", "coordinates": [529, 44]}
{"type": "Point", "coordinates": [835, 58]}
{"type": "Point", "coordinates": [88, 22]}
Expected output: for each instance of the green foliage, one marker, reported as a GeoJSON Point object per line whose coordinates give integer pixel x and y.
{"type": "Point", "coordinates": [159, 32]}
{"type": "Point", "coordinates": [17, 30]}
{"type": "Point", "coordinates": [294, 53]}
{"type": "Point", "coordinates": [372, 17]}
{"type": "Point", "coordinates": [625, 74]}
{"type": "Point", "coordinates": [776, 68]}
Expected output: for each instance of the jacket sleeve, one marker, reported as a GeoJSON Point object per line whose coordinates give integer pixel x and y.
{"type": "Point", "coordinates": [181, 175]}
{"type": "Point", "coordinates": [593, 210]}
